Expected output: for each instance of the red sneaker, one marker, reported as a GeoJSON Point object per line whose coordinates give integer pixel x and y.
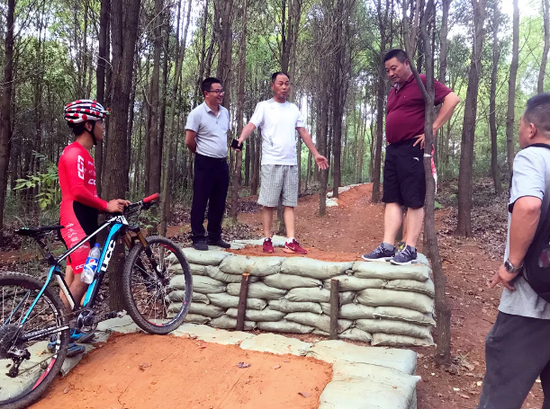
{"type": "Point", "coordinates": [294, 247]}
{"type": "Point", "coordinates": [268, 246]}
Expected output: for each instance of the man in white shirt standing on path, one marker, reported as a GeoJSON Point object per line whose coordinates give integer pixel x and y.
{"type": "Point", "coordinates": [206, 136]}
{"type": "Point", "coordinates": [278, 120]}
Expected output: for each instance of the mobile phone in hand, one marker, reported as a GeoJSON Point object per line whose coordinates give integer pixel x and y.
{"type": "Point", "coordinates": [235, 145]}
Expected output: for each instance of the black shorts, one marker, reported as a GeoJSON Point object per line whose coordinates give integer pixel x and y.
{"type": "Point", "coordinates": [404, 180]}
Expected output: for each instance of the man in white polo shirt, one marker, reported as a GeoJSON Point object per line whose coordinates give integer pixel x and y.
{"type": "Point", "coordinates": [206, 136]}
{"type": "Point", "coordinates": [279, 120]}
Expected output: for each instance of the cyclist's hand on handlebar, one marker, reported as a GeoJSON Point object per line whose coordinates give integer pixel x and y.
{"type": "Point", "coordinates": [117, 205]}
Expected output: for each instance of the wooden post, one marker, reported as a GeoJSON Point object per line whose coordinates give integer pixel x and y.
{"type": "Point", "coordinates": [334, 308]}
{"type": "Point", "coordinates": [243, 295]}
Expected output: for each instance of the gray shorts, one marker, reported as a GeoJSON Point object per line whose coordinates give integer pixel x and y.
{"type": "Point", "coordinates": [279, 181]}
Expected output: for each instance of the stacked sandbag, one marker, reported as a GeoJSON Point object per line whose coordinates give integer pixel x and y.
{"type": "Point", "coordinates": [379, 303]}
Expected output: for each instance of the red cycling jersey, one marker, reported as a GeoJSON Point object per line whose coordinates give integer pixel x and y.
{"type": "Point", "coordinates": [79, 201]}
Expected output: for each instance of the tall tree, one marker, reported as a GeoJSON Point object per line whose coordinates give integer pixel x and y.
{"type": "Point", "coordinates": [6, 108]}
{"type": "Point", "coordinates": [443, 312]}
{"type": "Point", "coordinates": [223, 21]}
{"type": "Point", "coordinates": [492, 101]}
{"type": "Point", "coordinates": [464, 224]}
{"type": "Point", "coordinates": [382, 15]}
{"type": "Point", "coordinates": [124, 17]}
{"type": "Point", "coordinates": [241, 78]}
{"type": "Point", "coordinates": [152, 180]}
{"type": "Point", "coordinates": [102, 59]}
{"type": "Point", "coordinates": [443, 51]}
{"type": "Point", "coordinates": [170, 156]}
{"type": "Point", "coordinates": [340, 78]}
{"type": "Point", "coordinates": [544, 59]}
{"type": "Point", "coordinates": [510, 115]}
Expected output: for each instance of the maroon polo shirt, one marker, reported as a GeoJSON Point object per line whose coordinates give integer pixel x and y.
{"type": "Point", "coordinates": [405, 111]}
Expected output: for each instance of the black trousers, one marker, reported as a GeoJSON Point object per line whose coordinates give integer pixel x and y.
{"type": "Point", "coordinates": [517, 351]}
{"type": "Point", "coordinates": [209, 188]}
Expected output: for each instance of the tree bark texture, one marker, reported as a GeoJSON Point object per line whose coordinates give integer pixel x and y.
{"type": "Point", "coordinates": [492, 103]}
{"type": "Point", "coordinates": [510, 116]}
{"type": "Point", "coordinates": [6, 110]}
{"type": "Point", "coordinates": [544, 60]}
{"type": "Point", "coordinates": [124, 19]}
{"type": "Point", "coordinates": [241, 78]}
{"type": "Point", "coordinates": [464, 224]}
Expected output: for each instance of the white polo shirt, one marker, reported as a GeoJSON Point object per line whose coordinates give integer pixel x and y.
{"type": "Point", "coordinates": [278, 123]}
{"type": "Point", "coordinates": [211, 130]}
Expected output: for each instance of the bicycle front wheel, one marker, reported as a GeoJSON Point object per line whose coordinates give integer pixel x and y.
{"type": "Point", "coordinates": [157, 285]}
{"type": "Point", "coordinates": [32, 349]}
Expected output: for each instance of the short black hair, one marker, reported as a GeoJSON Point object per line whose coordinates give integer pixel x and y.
{"type": "Point", "coordinates": [78, 129]}
{"type": "Point", "coordinates": [276, 74]}
{"type": "Point", "coordinates": [537, 111]}
{"type": "Point", "coordinates": [206, 84]}
{"type": "Point", "coordinates": [397, 53]}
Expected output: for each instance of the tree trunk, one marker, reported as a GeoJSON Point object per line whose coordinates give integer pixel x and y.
{"type": "Point", "coordinates": [125, 14]}
{"type": "Point", "coordinates": [241, 78]}
{"type": "Point", "coordinates": [202, 60]}
{"type": "Point", "coordinates": [170, 156]}
{"type": "Point", "coordinates": [443, 50]}
{"type": "Point", "coordinates": [443, 312]}
{"type": "Point", "coordinates": [338, 95]}
{"type": "Point", "coordinates": [492, 103]}
{"type": "Point", "coordinates": [100, 80]}
{"type": "Point", "coordinates": [464, 224]}
{"type": "Point", "coordinates": [6, 110]}
{"type": "Point", "coordinates": [154, 147]}
{"type": "Point", "coordinates": [381, 98]}
{"type": "Point", "coordinates": [544, 60]}
{"type": "Point", "coordinates": [223, 12]}
{"type": "Point", "coordinates": [512, 89]}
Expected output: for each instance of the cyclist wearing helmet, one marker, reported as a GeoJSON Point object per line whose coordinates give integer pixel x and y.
{"type": "Point", "coordinates": [79, 201]}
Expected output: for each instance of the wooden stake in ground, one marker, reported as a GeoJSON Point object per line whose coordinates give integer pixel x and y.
{"type": "Point", "coordinates": [334, 308]}
{"type": "Point", "coordinates": [243, 295]}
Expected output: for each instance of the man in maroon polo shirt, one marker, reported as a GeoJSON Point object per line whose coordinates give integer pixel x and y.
{"type": "Point", "coordinates": [404, 183]}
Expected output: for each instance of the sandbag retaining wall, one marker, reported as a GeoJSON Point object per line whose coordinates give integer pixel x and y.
{"type": "Point", "coordinates": [380, 303]}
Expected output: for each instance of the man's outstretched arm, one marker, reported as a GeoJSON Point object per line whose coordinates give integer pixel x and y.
{"type": "Point", "coordinates": [321, 161]}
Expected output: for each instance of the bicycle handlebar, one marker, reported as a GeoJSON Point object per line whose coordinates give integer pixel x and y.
{"type": "Point", "coordinates": [154, 196]}
{"type": "Point", "coordinates": [145, 202]}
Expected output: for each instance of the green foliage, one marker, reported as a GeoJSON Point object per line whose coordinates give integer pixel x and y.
{"type": "Point", "coordinates": [47, 184]}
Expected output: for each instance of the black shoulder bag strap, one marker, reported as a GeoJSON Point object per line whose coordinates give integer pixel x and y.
{"type": "Point", "coordinates": [539, 280]}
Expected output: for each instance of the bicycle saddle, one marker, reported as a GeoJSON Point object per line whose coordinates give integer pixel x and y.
{"type": "Point", "coordinates": [37, 231]}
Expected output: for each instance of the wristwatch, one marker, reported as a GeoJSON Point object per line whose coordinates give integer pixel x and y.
{"type": "Point", "coordinates": [510, 267]}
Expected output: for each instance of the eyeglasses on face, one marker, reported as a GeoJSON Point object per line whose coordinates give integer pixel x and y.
{"type": "Point", "coordinates": [217, 91]}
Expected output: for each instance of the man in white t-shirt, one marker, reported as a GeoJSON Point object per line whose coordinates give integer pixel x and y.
{"type": "Point", "coordinates": [278, 120]}
{"type": "Point", "coordinates": [206, 136]}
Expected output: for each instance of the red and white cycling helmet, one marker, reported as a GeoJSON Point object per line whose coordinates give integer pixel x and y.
{"type": "Point", "coordinates": [83, 110]}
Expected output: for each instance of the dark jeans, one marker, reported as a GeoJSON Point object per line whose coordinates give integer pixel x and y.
{"type": "Point", "coordinates": [209, 187]}
{"type": "Point", "coordinates": [517, 351]}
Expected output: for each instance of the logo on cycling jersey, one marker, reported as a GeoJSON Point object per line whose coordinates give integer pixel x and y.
{"type": "Point", "coordinates": [74, 239]}
{"type": "Point", "coordinates": [80, 167]}
{"type": "Point", "coordinates": [80, 266]}
{"type": "Point", "coordinates": [91, 182]}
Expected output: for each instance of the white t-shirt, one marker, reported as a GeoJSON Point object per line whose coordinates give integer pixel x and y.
{"type": "Point", "coordinates": [278, 123]}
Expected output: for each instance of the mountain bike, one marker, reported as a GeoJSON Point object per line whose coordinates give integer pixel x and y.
{"type": "Point", "coordinates": [35, 325]}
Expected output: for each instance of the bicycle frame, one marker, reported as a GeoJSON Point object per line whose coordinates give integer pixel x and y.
{"type": "Point", "coordinates": [118, 225]}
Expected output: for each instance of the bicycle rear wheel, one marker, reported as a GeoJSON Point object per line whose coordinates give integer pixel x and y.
{"type": "Point", "coordinates": [157, 285]}
{"type": "Point", "coordinates": [27, 365]}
